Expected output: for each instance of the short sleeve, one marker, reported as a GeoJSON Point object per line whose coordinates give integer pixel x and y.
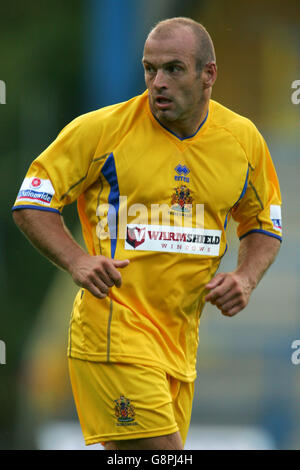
{"type": "Point", "coordinates": [260, 208]}
{"type": "Point", "coordinates": [65, 169]}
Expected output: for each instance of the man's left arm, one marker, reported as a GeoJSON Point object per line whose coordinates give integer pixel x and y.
{"type": "Point", "coordinates": [230, 292]}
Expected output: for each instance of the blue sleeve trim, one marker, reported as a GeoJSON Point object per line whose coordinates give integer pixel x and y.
{"type": "Point", "coordinates": [39, 208]}
{"type": "Point", "coordinates": [241, 196]}
{"type": "Point", "coordinates": [110, 173]}
{"type": "Point", "coordinates": [270, 234]}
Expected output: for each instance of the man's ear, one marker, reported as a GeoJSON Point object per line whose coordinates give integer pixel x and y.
{"type": "Point", "coordinates": [209, 74]}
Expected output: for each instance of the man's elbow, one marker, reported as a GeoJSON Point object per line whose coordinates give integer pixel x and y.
{"type": "Point", "coordinates": [279, 244]}
{"type": "Point", "coordinates": [273, 246]}
{"type": "Point", "coordinates": [19, 217]}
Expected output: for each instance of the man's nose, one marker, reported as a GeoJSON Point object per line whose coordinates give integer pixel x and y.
{"type": "Point", "coordinates": [160, 79]}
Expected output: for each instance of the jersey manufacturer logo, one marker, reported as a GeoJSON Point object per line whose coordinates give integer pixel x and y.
{"type": "Point", "coordinates": [182, 171]}
{"type": "Point", "coordinates": [124, 411]}
{"type": "Point", "coordinates": [181, 200]}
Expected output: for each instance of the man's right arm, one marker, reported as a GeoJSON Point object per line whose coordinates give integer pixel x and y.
{"type": "Point", "coordinates": [49, 235]}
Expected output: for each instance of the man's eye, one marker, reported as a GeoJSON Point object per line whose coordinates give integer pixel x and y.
{"type": "Point", "coordinates": [149, 69]}
{"type": "Point", "coordinates": [174, 68]}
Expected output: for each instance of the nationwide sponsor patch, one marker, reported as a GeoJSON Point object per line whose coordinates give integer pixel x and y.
{"type": "Point", "coordinates": [36, 183]}
{"type": "Point", "coordinates": [36, 190]}
{"type": "Point", "coordinates": [275, 215]}
{"type": "Point", "coordinates": [173, 239]}
{"type": "Point", "coordinates": [124, 411]}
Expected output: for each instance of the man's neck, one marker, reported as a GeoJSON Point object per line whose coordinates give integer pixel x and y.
{"type": "Point", "coordinates": [189, 128]}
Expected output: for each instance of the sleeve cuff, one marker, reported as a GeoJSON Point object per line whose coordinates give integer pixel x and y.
{"type": "Point", "coordinates": [265, 232]}
{"type": "Point", "coordinates": [39, 208]}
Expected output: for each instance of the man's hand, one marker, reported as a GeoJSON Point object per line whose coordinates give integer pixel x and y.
{"type": "Point", "coordinates": [97, 273]}
{"type": "Point", "coordinates": [48, 233]}
{"type": "Point", "coordinates": [230, 292]}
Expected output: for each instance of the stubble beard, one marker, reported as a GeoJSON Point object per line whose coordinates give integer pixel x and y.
{"type": "Point", "coordinates": [168, 115]}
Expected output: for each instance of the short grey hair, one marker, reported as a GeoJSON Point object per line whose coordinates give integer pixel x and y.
{"type": "Point", "coordinates": [205, 51]}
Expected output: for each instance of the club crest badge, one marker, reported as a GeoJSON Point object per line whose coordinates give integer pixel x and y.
{"type": "Point", "coordinates": [182, 200]}
{"type": "Point", "coordinates": [124, 411]}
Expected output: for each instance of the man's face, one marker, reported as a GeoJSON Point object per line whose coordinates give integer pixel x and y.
{"type": "Point", "coordinates": [174, 84]}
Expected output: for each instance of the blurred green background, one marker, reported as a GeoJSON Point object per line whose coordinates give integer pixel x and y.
{"type": "Point", "coordinates": [61, 59]}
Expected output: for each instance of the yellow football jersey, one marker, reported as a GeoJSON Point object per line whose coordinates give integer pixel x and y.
{"type": "Point", "coordinates": [163, 202]}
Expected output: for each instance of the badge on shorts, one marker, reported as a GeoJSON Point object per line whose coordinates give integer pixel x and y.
{"type": "Point", "coordinates": [124, 411]}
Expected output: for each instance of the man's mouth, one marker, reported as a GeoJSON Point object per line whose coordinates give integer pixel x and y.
{"type": "Point", "coordinates": [162, 102]}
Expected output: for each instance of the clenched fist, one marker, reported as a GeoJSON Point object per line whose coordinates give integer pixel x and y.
{"type": "Point", "coordinates": [97, 273]}
{"type": "Point", "coordinates": [230, 292]}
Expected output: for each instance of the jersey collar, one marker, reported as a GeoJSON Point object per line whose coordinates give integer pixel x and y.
{"type": "Point", "coordinates": [173, 133]}
{"type": "Point", "coordinates": [178, 137]}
